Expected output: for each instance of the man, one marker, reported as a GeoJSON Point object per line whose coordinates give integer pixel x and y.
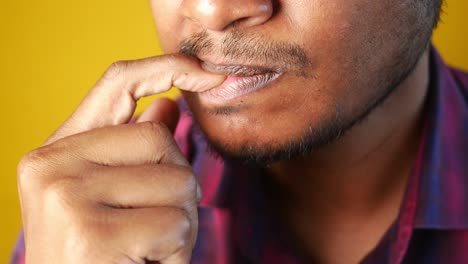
{"type": "Point", "coordinates": [324, 131]}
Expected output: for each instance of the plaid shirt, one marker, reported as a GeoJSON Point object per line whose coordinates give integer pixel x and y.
{"type": "Point", "coordinates": [432, 226]}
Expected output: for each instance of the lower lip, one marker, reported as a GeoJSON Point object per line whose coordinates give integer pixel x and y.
{"type": "Point", "coordinates": [236, 86]}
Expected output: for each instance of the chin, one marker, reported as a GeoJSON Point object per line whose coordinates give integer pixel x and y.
{"type": "Point", "coordinates": [254, 135]}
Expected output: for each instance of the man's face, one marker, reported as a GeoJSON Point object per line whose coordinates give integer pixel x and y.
{"type": "Point", "coordinates": [326, 63]}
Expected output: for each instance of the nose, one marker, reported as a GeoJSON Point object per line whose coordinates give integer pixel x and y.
{"type": "Point", "coordinates": [217, 15]}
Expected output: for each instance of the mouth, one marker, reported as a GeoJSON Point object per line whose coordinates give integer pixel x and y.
{"type": "Point", "coordinates": [241, 80]}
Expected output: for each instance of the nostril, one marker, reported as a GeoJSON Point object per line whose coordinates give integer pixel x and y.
{"type": "Point", "coordinates": [261, 15]}
{"type": "Point", "coordinates": [237, 23]}
{"type": "Point", "coordinates": [219, 15]}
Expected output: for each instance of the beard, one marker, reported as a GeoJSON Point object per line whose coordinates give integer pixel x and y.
{"type": "Point", "coordinates": [311, 139]}
{"type": "Point", "coordinates": [314, 136]}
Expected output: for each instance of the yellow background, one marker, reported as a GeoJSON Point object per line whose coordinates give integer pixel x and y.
{"type": "Point", "coordinates": [52, 51]}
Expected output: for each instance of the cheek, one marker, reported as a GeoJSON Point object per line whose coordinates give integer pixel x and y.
{"type": "Point", "coordinates": [352, 43]}
{"type": "Point", "coordinates": [343, 33]}
{"type": "Point", "coordinates": [168, 22]}
{"type": "Point", "coordinates": [283, 112]}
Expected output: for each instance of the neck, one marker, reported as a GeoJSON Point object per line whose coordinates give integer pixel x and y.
{"type": "Point", "coordinates": [360, 178]}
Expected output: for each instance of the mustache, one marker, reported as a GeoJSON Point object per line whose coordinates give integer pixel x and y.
{"type": "Point", "coordinates": [253, 50]}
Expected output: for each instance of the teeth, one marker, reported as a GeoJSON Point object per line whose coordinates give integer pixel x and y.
{"type": "Point", "coordinates": [235, 69]}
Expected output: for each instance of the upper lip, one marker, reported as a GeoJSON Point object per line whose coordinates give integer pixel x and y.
{"type": "Point", "coordinates": [237, 69]}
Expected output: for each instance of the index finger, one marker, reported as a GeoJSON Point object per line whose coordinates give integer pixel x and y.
{"type": "Point", "coordinates": [112, 100]}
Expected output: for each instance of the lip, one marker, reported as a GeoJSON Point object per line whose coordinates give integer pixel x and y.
{"type": "Point", "coordinates": [241, 80]}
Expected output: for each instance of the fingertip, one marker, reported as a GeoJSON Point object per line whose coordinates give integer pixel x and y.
{"type": "Point", "coordinates": [199, 81]}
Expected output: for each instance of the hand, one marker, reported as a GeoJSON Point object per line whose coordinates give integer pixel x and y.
{"type": "Point", "coordinates": [103, 191]}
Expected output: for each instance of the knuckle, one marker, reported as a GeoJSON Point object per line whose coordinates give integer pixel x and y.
{"type": "Point", "coordinates": [154, 132]}
{"type": "Point", "coordinates": [44, 167]}
{"type": "Point", "coordinates": [183, 224]}
{"type": "Point", "coordinates": [116, 69]}
{"type": "Point", "coordinates": [32, 167]}
{"type": "Point", "coordinates": [158, 128]}
{"type": "Point", "coordinates": [177, 230]}
{"type": "Point", "coordinates": [190, 184]}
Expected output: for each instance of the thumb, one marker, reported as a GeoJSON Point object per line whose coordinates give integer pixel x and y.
{"type": "Point", "coordinates": [162, 110]}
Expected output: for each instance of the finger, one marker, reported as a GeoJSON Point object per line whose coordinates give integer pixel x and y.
{"type": "Point", "coordinates": [128, 144]}
{"type": "Point", "coordinates": [150, 234]}
{"type": "Point", "coordinates": [164, 110]}
{"type": "Point", "coordinates": [182, 256]}
{"type": "Point", "coordinates": [113, 99]}
{"type": "Point", "coordinates": [142, 186]}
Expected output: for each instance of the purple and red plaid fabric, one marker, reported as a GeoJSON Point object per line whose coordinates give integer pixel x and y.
{"type": "Point", "coordinates": [235, 226]}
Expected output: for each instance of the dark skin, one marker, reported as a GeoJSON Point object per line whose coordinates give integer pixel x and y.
{"type": "Point", "coordinates": [367, 78]}
{"type": "Point", "coordinates": [336, 118]}
{"type": "Point", "coordinates": [340, 200]}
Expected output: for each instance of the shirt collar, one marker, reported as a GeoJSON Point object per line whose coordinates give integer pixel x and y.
{"type": "Point", "coordinates": [441, 201]}
{"type": "Point", "coordinates": [436, 191]}
{"type": "Point", "coordinates": [438, 194]}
